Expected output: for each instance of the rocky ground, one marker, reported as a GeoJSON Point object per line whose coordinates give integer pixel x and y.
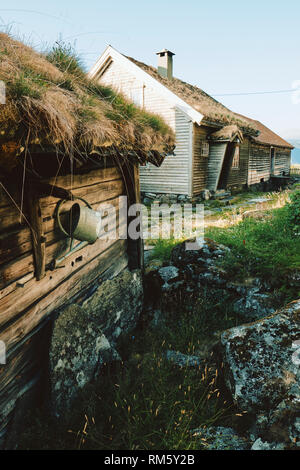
{"type": "Point", "coordinates": [259, 358]}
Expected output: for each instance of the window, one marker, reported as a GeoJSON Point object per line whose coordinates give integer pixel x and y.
{"type": "Point", "coordinates": [204, 148]}
{"type": "Point", "coordinates": [236, 158]}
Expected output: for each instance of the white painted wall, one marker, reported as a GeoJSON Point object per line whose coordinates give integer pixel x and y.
{"type": "Point", "coordinates": [173, 175]}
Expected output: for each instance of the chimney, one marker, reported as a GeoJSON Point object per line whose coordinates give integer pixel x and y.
{"type": "Point", "coordinates": [165, 63]}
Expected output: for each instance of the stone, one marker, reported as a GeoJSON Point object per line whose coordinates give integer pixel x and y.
{"type": "Point", "coordinates": [147, 201]}
{"type": "Point", "coordinates": [262, 372]}
{"type": "Point", "coordinates": [254, 304]}
{"type": "Point", "coordinates": [153, 265]}
{"type": "Point", "coordinates": [151, 195]}
{"type": "Point", "coordinates": [257, 214]}
{"type": "Point", "coordinates": [221, 438]}
{"type": "Point", "coordinates": [260, 369]}
{"type": "Point", "coordinates": [183, 360]}
{"type": "Point", "coordinates": [85, 335]}
{"type": "Point", "coordinates": [260, 445]}
{"type": "Point", "coordinates": [168, 274]}
{"type": "Point", "coordinates": [206, 194]}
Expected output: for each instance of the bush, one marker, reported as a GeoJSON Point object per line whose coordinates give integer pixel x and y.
{"type": "Point", "coordinates": [294, 211]}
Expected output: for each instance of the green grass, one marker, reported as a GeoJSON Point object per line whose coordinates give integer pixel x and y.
{"type": "Point", "coordinates": [268, 249]}
{"type": "Point", "coordinates": [163, 248]}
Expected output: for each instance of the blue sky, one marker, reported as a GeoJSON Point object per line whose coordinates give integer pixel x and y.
{"type": "Point", "coordinates": [223, 47]}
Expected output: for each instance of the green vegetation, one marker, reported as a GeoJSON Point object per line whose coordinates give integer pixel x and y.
{"type": "Point", "coordinates": [163, 248]}
{"type": "Point", "coordinates": [66, 59]}
{"type": "Point", "coordinates": [294, 212]}
{"type": "Point", "coordinates": [266, 248]}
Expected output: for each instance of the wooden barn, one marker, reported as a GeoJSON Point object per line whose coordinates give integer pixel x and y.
{"type": "Point", "coordinates": [64, 140]}
{"type": "Point", "coordinates": [215, 147]}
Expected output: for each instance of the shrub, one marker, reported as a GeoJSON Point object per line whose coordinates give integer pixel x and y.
{"type": "Point", "coordinates": [294, 211]}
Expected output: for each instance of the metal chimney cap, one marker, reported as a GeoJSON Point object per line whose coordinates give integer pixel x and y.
{"type": "Point", "coordinates": [165, 51]}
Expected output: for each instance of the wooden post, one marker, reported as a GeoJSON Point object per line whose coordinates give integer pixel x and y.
{"type": "Point", "coordinates": [137, 192]}
{"type": "Point", "coordinates": [37, 233]}
{"type": "Point", "coordinates": [132, 183]}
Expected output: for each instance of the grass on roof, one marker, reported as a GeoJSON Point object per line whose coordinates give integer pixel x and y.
{"type": "Point", "coordinates": [51, 99]}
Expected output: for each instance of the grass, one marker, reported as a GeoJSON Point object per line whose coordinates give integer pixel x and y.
{"type": "Point", "coordinates": [52, 100]}
{"type": "Point", "coordinates": [268, 249]}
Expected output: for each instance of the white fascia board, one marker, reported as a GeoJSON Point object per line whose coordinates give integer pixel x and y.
{"type": "Point", "coordinates": [173, 99]}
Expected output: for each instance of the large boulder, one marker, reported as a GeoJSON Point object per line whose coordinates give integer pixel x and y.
{"type": "Point", "coordinates": [205, 266]}
{"type": "Point", "coordinates": [220, 438]}
{"type": "Point", "coordinates": [262, 372]}
{"type": "Point", "coordinates": [85, 335]}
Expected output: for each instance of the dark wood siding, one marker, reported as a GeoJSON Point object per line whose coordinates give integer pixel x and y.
{"type": "Point", "coordinates": [238, 176]}
{"type": "Point", "coordinates": [259, 163]}
{"type": "Point", "coordinates": [25, 303]}
{"type": "Point", "coordinates": [282, 161]}
{"type": "Point", "coordinates": [199, 173]}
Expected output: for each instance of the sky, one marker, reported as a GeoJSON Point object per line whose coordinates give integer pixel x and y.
{"type": "Point", "coordinates": [224, 47]}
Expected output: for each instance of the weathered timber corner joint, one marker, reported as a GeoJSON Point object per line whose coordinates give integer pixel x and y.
{"type": "Point", "coordinates": [64, 138]}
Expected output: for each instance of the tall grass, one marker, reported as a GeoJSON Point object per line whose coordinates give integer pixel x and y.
{"type": "Point", "coordinates": [269, 248]}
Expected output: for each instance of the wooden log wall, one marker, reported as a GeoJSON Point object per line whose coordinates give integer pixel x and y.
{"type": "Point", "coordinates": [260, 162]}
{"type": "Point", "coordinates": [25, 302]}
{"type": "Point", "coordinates": [238, 176]}
{"type": "Point", "coordinates": [282, 161]}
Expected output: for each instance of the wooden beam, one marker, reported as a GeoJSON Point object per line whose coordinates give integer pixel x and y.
{"type": "Point", "coordinates": [132, 184]}
{"type": "Point", "coordinates": [137, 193]}
{"type": "Point", "coordinates": [37, 233]}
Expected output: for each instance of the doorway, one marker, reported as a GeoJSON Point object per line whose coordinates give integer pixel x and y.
{"type": "Point", "coordinates": [223, 180]}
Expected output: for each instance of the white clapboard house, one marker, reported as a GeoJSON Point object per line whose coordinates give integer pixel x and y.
{"type": "Point", "coordinates": [215, 147]}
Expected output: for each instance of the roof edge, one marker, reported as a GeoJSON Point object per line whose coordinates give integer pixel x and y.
{"type": "Point", "coordinates": [111, 52]}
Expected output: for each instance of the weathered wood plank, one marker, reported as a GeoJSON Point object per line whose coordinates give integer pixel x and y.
{"type": "Point", "coordinates": [58, 294]}
{"type": "Point", "coordinates": [12, 305]}
{"type": "Point", "coordinates": [37, 233]}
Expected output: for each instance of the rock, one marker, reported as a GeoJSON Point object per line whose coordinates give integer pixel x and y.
{"type": "Point", "coordinates": [180, 257]}
{"type": "Point", "coordinates": [84, 336]}
{"type": "Point", "coordinates": [153, 265]}
{"type": "Point", "coordinates": [151, 195]}
{"type": "Point", "coordinates": [281, 425]}
{"type": "Point", "coordinates": [261, 372]}
{"type": "Point", "coordinates": [183, 360]}
{"type": "Point", "coordinates": [147, 201]}
{"type": "Point", "coordinates": [260, 445]}
{"type": "Point", "coordinates": [169, 274]}
{"type": "Point", "coordinates": [257, 214]}
{"type": "Point", "coordinates": [221, 194]}
{"type": "Point", "coordinates": [263, 375]}
{"type": "Point", "coordinates": [78, 348]}
{"type": "Point", "coordinates": [221, 438]}
{"type": "Point", "coordinates": [254, 304]}
{"type": "Point", "coordinates": [204, 265]}
{"type": "Point", "coordinates": [206, 194]}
